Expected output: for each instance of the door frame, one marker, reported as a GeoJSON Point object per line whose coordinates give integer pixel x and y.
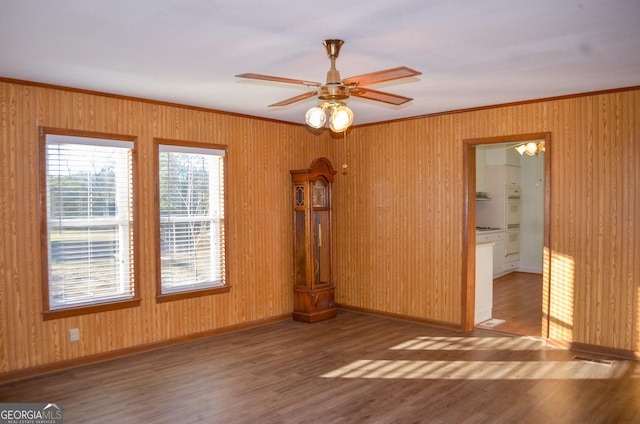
{"type": "Point", "coordinates": [469, 224]}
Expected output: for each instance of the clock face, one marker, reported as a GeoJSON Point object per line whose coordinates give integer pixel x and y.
{"type": "Point", "coordinates": [319, 194]}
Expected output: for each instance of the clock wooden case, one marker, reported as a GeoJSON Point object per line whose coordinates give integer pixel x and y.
{"type": "Point", "coordinates": [313, 289]}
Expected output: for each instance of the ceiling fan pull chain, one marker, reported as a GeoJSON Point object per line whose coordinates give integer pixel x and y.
{"type": "Point", "coordinates": [346, 158]}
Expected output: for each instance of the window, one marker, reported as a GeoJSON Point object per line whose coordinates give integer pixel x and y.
{"type": "Point", "coordinates": [88, 251]}
{"type": "Point", "coordinates": [191, 220]}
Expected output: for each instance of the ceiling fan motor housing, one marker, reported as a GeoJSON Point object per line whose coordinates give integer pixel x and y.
{"type": "Point", "coordinates": [334, 89]}
{"type": "Point", "coordinates": [332, 92]}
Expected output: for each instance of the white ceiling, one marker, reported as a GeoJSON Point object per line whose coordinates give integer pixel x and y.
{"type": "Point", "coordinates": [471, 52]}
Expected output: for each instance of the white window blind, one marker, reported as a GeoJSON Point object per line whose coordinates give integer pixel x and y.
{"type": "Point", "coordinates": [89, 195]}
{"type": "Point", "coordinates": [191, 218]}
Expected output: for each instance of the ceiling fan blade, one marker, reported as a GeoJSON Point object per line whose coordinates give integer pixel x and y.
{"type": "Point", "coordinates": [514, 145]}
{"type": "Point", "coordinates": [295, 99]}
{"type": "Point", "coordinates": [381, 76]}
{"type": "Point", "coordinates": [279, 79]}
{"type": "Point", "coordinates": [380, 96]}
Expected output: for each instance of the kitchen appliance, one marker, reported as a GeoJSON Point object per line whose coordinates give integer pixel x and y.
{"type": "Point", "coordinates": [513, 214]}
{"type": "Point", "coordinates": [513, 207]}
{"type": "Point", "coordinates": [512, 243]}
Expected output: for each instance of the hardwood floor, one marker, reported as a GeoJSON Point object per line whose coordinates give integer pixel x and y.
{"type": "Point", "coordinates": [517, 299]}
{"type": "Point", "coordinates": [355, 368]}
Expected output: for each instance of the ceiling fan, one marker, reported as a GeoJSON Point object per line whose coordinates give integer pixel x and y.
{"type": "Point", "coordinates": [336, 90]}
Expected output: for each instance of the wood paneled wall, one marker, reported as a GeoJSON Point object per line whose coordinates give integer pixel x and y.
{"type": "Point", "coordinates": [398, 218]}
{"type": "Point", "coordinates": [259, 236]}
{"type": "Point", "coordinates": [399, 214]}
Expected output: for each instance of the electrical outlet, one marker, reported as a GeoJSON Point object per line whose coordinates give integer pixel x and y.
{"type": "Point", "coordinates": [74, 335]}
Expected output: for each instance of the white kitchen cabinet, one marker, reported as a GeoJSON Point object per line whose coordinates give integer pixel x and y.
{"type": "Point", "coordinates": [498, 257]}
{"type": "Point", "coordinates": [512, 175]}
{"type": "Point", "coordinates": [491, 236]}
{"type": "Point", "coordinates": [501, 156]}
{"type": "Point", "coordinates": [496, 239]}
{"type": "Point", "coordinates": [512, 250]}
{"type": "Point", "coordinates": [510, 263]}
{"type": "Point", "coordinates": [484, 283]}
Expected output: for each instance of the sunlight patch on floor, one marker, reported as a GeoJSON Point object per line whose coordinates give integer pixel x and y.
{"type": "Point", "coordinates": [478, 370]}
{"type": "Point", "coordinates": [469, 343]}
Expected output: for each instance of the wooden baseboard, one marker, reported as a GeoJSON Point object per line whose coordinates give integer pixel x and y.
{"type": "Point", "coordinates": [37, 371]}
{"type": "Point", "coordinates": [609, 352]}
{"type": "Point", "coordinates": [435, 323]}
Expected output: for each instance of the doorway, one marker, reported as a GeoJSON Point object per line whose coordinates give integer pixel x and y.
{"type": "Point", "coordinates": [517, 304]}
{"type": "Point", "coordinates": [520, 283]}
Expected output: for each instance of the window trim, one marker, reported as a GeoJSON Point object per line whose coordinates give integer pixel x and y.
{"type": "Point", "coordinates": [108, 305]}
{"type": "Point", "coordinates": [193, 293]}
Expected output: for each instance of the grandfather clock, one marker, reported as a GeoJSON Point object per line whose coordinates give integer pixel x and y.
{"type": "Point", "coordinates": [313, 289]}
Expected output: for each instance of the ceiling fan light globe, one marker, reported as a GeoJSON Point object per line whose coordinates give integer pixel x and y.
{"type": "Point", "coordinates": [521, 149]}
{"type": "Point", "coordinates": [531, 148]}
{"type": "Point", "coordinates": [315, 117]}
{"type": "Point", "coordinates": [341, 118]}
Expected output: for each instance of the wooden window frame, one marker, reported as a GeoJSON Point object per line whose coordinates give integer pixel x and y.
{"type": "Point", "coordinates": [199, 292]}
{"type": "Point", "coordinates": [103, 305]}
